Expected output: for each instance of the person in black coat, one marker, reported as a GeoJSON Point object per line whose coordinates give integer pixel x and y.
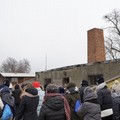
{"type": "Point", "coordinates": [105, 99]}
{"type": "Point", "coordinates": [84, 84]}
{"type": "Point", "coordinates": [72, 95]}
{"type": "Point", "coordinates": [55, 106]}
{"type": "Point", "coordinates": [28, 105]}
{"type": "Point", "coordinates": [16, 94]}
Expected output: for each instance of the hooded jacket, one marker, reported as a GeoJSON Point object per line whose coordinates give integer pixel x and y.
{"type": "Point", "coordinates": [81, 89]}
{"type": "Point", "coordinates": [52, 109]}
{"type": "Point", "coordinates": [105, 100]}
{"type": "Point", "coordinates": [72, 95]}
{"type": "Point", "coordinates": [116, 106]}
{"type": "Point", "coordinates": [6, 97]}
{"type": "Point", "coordinates": [28, 106]}
{"type": "Point", "coordinates": [90, 109]}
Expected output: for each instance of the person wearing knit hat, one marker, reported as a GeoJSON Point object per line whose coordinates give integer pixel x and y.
{"type": "Point", "coordinates": [55, 106]}
{"type": "Point", "coordinates": [105, 99]}
{"type": "Point", "coordinates": [84, 84]}
{"type": "Point", "coordinates": [90, 108]}
{"type": "Point", "coordinates": [36, 84]}
{"type": "Point", "coordinates": [72, 95]}
{"type": "Point", "coordinates": [41, 94]}
{"type": "Point", "coordinates": [100, 80]}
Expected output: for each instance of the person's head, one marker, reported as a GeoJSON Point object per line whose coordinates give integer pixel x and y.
{"type": "Point", "coordinates": [70, 84]}
{"type": "Point", "coordinates": [29, 85]}
{"type": "Point", "coordinates": [84, 83]}
{"type": "Point", "coordinates": [100, 80]}
{"type": "Point", "coordinates": [36, 84]}
{"type": "Point", "coordinates": [52, 88]}
{"type": "Point", "coordinates": [17, 86]}
{"type": "Point", "coordinates": [89, 94]}
{"type": "Point", "coordinates": [6, 82]}
{"type": "Point", "coordinates": [71, 88]}
{"type": "Point", "coordinates": [116, 82]}
{"type": "Point", "coordinates": [30, 89]}
{"type": "Point", "coordinates": [23, 86]}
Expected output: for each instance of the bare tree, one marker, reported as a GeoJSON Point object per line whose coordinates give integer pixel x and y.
{"type": "Point", "coordinates": [12, 66]}
{"type": "Point", "coordinates": [24, 66]}
{"type": "Point", "coordinates": [112, 41]}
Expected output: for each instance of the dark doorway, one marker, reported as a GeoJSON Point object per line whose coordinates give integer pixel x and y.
{"type": "Point", "coordinates": [65, 81]}
{"type": "Point", "coordinates": [47, 81]}
{"type": "Point", "coordinates": [93, 78]}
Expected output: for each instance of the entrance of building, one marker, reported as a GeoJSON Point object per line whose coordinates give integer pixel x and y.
{"type": "Point", "coordinates": [65, 81]}
{"type": "Point", "coordinates": [47, 81]}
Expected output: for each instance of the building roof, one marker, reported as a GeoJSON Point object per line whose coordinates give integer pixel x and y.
{"type": "Point", "coordinates": [80, 65]}
{"type": "Point", "coordinates": [18, 74]}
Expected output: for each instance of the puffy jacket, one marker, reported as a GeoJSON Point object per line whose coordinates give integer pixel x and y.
{"type": "Point", "coordinates": [105, 100]}
{"type": "Point", "coordinates": [81, 90]}
{"type": "Point", "coordinates": [72, 96]}
{"type": "Point", "coordinates": [90, 108]}
{"type": "Point", "coordinates": [28, 105]}
{"type": "Point", "coordinates": [52, 109]}
{"type": "Point", "coordinates": [116, 107]}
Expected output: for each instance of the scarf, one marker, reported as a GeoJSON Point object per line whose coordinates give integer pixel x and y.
{"type": "Point", "coordinates": [66, 105]}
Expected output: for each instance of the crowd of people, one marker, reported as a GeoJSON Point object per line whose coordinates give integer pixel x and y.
{"type": "Point", "coordinates": [31, 102]}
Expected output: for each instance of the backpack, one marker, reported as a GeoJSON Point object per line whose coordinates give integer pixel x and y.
{"type": "Point", "coordinates": [77, 105]}
{"type": "Point", "coordinates": [7, 113]}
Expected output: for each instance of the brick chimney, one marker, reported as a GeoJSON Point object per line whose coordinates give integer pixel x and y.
{"type": "Point", "coordinates": [96, 48]}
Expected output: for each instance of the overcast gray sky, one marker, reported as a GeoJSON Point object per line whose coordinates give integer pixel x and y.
{"type": "Point", "coordinates": [34, 29]}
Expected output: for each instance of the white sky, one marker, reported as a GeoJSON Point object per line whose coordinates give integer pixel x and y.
{"type": "Point", "coordinates": [34, 29]}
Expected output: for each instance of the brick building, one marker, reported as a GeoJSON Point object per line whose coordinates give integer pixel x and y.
{"type": "Point", "coordinates": [96, 66]}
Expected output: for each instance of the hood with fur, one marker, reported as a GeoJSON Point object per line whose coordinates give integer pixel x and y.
{"type": "Point", "coordinates": [89, 94]}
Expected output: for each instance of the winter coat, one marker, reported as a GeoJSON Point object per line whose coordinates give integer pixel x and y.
{"type": "Point", "coordinates": [16, 94]}
{"type": "Point", "coordinates": [90, 108]}
{"type": "Point", "coordinates": [105, 100]}
{"type": "Point", "coordinates": [7, 98]}
{"type": "Point", "coordinates": [28, 106]}
{"type": "Point", "coordinates": [116, 106]}
{"type": "Point", "coordinates": [52, 109]}
{"type": "Point", "coordinates": [41, 94]}
{"type": "Point", "coordinates": [72, 96]}
{"type": "Point", "coordinates": [81, 90]}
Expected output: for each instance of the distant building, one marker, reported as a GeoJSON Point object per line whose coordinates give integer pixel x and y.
{"type": "Point", "coordinates": [17, 77]}
{"type": "Point", "coordinates": [96, 66]}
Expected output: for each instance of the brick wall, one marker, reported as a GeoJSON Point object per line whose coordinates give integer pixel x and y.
{"type": "Point", "coordinates": [96, 48]}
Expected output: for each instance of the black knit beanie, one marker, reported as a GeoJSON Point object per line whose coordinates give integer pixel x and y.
{"type": "Point", "coordinates": [6, 82]}
{"type": "Point", "coordinates": [85, 82]}
{"type": "Point", "coordinates": [100, 80]}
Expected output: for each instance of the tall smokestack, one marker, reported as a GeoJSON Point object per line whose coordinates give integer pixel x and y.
{"type": "Point", "coordinates": [96, 48]}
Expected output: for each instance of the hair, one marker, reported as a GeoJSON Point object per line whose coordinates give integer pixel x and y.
{"type": "Point", "coordinates": [6, 82]}
{"type": "Point", "coordinates": [29, 85]}
{"type": "Point", "coordinates": [17, 86]}
{"type": "Point", "coordinates": [52, 88]}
